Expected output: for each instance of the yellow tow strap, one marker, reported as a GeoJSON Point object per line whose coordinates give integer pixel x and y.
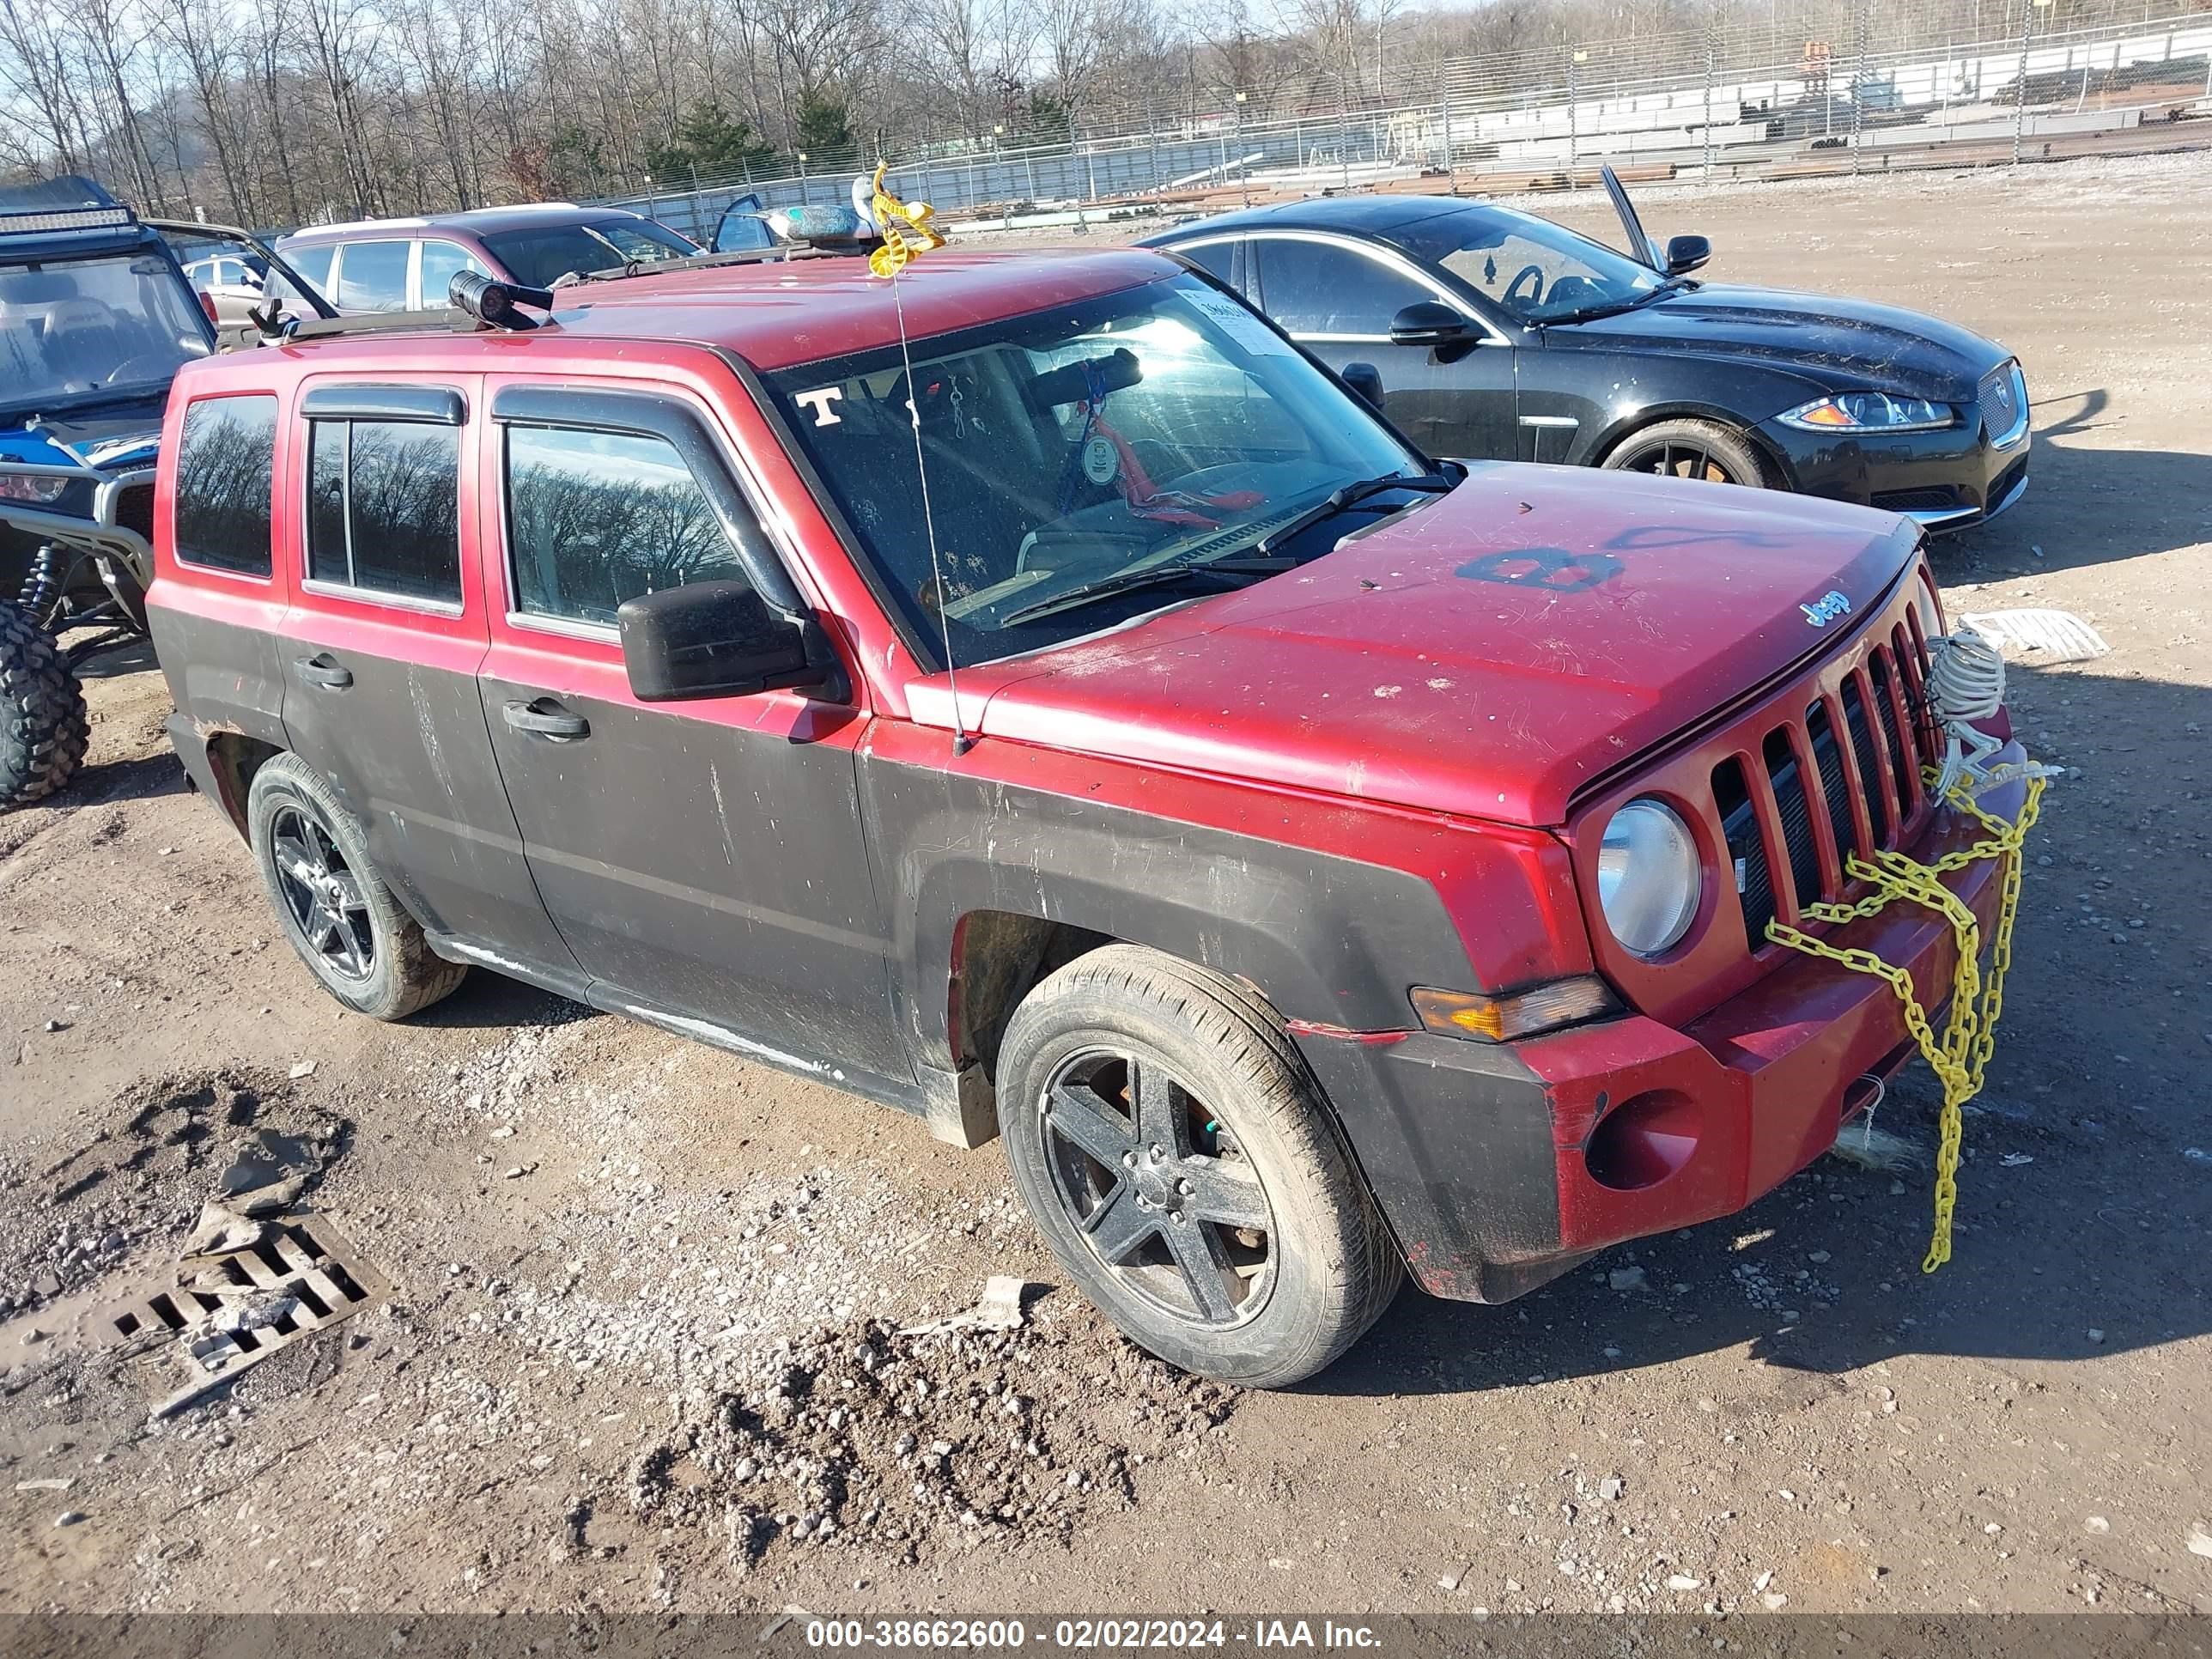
{"type": "Point", "coordinates": [1959, 1056]}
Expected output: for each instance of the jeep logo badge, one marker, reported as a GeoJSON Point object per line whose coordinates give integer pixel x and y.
{"type": "Point", "coordinates": [1825, 609]}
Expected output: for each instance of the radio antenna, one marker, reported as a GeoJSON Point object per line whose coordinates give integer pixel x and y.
{"type": "Point", "coordinates": [907, 232]}
{"type": "Point", "coordinates": [961, 743]}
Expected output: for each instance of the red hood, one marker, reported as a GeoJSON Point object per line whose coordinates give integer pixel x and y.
{"type": "Point", "coordinates": [1400, 668]}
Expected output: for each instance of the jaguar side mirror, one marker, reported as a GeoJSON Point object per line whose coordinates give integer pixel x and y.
{"type": "Point", "coordinates": [713, 640]}
{"type": "Point", "coordinates": [1686, 253]}
{"type": "Point", "coordinates": [1431, 323]}
{"type": "Point", "coordinates": [1366, 380]}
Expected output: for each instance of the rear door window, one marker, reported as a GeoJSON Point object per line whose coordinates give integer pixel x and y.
{"type": "Point", "coordinates": [313, 263]}
{"type": "Point", "coordinates": [224, 470]}
{"type": "Point", "coordinates": [383, 508]}
{"type": "Point", "coordinates": [596, 517]}
{"type": "Point", "coordinates": [372, 276]}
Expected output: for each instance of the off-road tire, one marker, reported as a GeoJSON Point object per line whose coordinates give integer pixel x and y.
{"type": "Point", "coordinates": [405, 976]}
{"type": "Point", "coordinates": [1736, 454]}
{"type": "Point", "coordinates": [43, 729]}
{"type": "Point", "coordinates": [1335, 1267]}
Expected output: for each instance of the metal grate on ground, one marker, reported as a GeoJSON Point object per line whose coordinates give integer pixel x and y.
{"type": "Point", "coordinates": [301, 1278]}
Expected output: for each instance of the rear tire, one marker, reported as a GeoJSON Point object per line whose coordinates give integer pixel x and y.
{"type": "Point", "coordinates": [339, 915]}
{"type": "Point", "coordinates": [1179, 1158]}
{"type": "Point", "coordinates": [43, 729]}
{"type": "Point", "coordinates": [1689, 449]}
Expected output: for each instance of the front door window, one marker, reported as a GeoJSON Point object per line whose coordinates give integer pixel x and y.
{"type": "Point", "coordinates": [1327, 291]}
{"type": "Point", "coordinates": [596, 517]}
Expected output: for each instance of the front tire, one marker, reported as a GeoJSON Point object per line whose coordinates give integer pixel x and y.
{"type": "Point", "coordinates": [1689, 449]}
{"type": "Point", "coordinates": [1178, 1158]}
{"type": "Point", "coordinates": [339, 915]}
{"type": "Point", "coordinates": [43, 728]}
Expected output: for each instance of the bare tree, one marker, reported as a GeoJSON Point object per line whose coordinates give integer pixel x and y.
{"type": "Point", "coordinates": [279, 111]}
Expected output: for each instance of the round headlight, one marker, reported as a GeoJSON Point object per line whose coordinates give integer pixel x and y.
{"type": "Point", "coordinates": [1649, 880]}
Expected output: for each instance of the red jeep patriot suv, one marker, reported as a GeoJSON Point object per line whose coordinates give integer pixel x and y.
{"type": "Point", "coordinates": [1070, 713]}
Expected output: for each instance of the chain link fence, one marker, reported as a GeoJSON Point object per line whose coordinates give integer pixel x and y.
{"type": "Point", "coordinates": [1960, 83]}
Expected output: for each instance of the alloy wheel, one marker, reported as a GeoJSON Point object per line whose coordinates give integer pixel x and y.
{"type": "Point", "coordinates": [322, 895]}
{"type": "Point", "coordinates": [1159, 1187]}
{"type": "Point", "coordinates": [1679, 459]}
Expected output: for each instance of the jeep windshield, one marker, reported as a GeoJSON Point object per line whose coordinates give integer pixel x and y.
{"type": "Point", "coordinates": [85, 331]}
{"type": "Point", "coordinates": [1087, 463]}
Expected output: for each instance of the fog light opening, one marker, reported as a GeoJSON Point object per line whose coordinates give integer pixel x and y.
{"type": "Point", "coordinates": [1642, 1140]}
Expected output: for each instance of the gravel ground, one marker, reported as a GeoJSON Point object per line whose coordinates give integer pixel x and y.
{"type": "Point", "coordinates": [642, 1347]}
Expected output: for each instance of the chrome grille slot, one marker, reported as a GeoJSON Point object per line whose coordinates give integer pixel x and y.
{"type": "Point", "coordinates": [1828, 756]}
{"type": "Point", "coordinates": [1886, 701]}
{"type": "Point", "coordinates": [1746, 847]}
{"type": "Point", "coordinates": [1881, 807]}
{"type": "Point", "coordinates": [1794, 806]}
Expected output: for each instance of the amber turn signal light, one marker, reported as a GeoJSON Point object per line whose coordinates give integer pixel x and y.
{"type": "Point", "coordinates": [1514, 1014]}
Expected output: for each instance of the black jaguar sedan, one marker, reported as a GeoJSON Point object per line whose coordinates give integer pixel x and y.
{"type": "Point", "coordinates": [1496, 335]}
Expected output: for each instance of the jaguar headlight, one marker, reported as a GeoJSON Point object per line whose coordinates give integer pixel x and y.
{"type": "Point", "coordinates": [1649, 878]}
{"type": "Point", "coordinates": [1871, 411]}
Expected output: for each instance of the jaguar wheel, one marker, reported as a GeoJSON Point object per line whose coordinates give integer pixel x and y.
{"type": "Point", "coordinates": [43, 729]}
{"type": "Point", "coordinates": [339, 915]}
{"type": "Point", "coordinates": [1178, 1156]}
{"type": "Point", "coordinates": [1689, 449]}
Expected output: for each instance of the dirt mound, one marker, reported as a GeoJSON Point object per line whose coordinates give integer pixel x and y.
{"type": "Point", "coordinates": [858, 1437]}
{"type": "Point", "coordinates": [140, 1170]}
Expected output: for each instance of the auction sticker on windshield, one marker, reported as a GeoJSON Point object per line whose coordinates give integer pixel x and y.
{"type": "Point", "coordinates": [1234, 321]}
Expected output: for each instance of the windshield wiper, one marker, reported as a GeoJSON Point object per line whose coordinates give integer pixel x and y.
{"type": "Point", "coordinates": [1337, 500]}
{"type": "Point", "coordinates": [1263, 561]}
{"type": "Point", "coordinates": [1636, 303]}
{"type": "Point", "coordinates": [75, 402]}
{"type": "Point", "coordinates": [1159, 575]}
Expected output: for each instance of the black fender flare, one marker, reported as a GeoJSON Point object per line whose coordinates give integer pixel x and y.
{"type": "Point", "coordinates": [1327, 940]}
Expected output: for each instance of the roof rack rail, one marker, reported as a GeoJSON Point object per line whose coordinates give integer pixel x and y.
{"type": "Point", "coordinates": [449, 320]}
{"type": "Point", "coordinates": [709, 261]}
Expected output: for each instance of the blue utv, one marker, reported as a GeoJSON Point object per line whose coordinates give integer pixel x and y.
{"type": "Point", "coordinates": [96, 317]}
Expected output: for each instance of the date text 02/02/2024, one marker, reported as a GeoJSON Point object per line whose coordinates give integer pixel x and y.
{"type": "Point", "coordinates": [1085, 1634]}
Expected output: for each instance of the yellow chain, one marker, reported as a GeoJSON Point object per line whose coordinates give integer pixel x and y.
{"type": "Point", "coordinates": [901, 246]}
{"type": "Point", "coordinates": [1961, 1055]}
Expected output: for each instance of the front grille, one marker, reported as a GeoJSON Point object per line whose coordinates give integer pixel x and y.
{"type": "Point", "coordinates": [2002, 399]}
{"type": "Point", "coordinates": [1926, 498]}
{"type": "Point", "coordinates": [134, 509]}
{"type": "Point", "coordinates": [1779, 867]}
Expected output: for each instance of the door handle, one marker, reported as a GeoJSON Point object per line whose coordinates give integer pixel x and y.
{"type": "Point", "coordinates": [546, 718]}
{"type": "Point", "coordinates": [323, 670]}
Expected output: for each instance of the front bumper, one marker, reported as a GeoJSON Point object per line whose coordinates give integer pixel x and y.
{"type": "Point", "coordinates": [1943, 481]}
{"type": "Point", "coordinates": [1499, 1168]}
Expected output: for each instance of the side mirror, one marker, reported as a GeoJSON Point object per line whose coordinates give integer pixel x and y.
{"type": "Point", "coordinates": [1431, 323]}
{"type": "Point", "coordinates": [1686, 253]}
{"type": "Point", "coordinates": [712, 640]}
{"type": "Point", "coordinates": [1366, 380]}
